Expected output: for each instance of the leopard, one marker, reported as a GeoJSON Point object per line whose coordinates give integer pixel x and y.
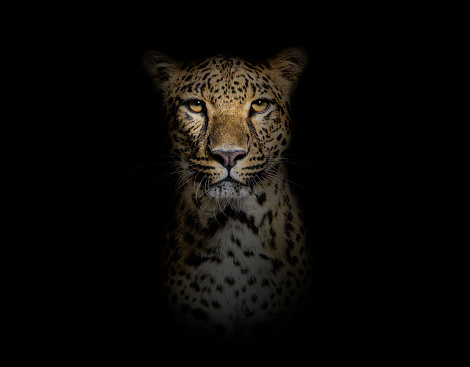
{"type": "Point", "coordinates": [237, 259]}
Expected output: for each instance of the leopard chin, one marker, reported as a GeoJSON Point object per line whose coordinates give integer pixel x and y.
{"type": "Point", "coordinates": [228, 189]}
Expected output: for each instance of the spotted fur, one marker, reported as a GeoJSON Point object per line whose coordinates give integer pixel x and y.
{"type": "Point", "coordinates": [237, 258]}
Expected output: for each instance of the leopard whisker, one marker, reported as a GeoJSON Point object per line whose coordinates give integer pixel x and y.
{"type": "Point", "coordinates": [184, 182]}
{"type": "Point", "coordinates": [199, 184]}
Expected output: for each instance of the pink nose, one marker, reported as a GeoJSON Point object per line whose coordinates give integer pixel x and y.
{"type": "Point", "coordinates": [228, 159]}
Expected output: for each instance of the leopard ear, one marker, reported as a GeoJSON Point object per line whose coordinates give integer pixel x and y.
{"type": "Point", "coordinates": [289, 65]}
{"type": "Point", "coordinates": [161, 68]}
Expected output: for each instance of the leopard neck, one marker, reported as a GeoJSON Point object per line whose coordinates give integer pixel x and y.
{"type": "Point", "coordinates": [269, 220]}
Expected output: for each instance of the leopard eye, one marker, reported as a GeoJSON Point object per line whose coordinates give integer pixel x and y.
{"type": "Point", "coordinates": [260, 105]}
{"type": "Point", "coordinates": [195, 105]}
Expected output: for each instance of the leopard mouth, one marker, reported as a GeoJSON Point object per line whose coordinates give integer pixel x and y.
{"type": "Point", "coordinates": [228, 188]}
{"type": "Point", "coordinates": [230, 183]}
{"type": "Point", "coordinates": [230, 180]}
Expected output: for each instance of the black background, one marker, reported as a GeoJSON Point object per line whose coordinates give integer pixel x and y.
{"type": "Point", "coordinates": [344, 123]}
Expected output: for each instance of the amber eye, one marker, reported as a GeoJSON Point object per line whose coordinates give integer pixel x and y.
{"type": "Point", "coordinates": [260, 105]}
{"type": "Point", "coordinates": [195, 105]}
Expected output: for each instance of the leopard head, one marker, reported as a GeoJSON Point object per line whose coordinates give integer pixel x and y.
{"type": "Point", "coordinates": [229, 119]}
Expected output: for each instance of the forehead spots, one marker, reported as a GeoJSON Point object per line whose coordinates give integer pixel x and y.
{"type": "Point", "coordinates": [225, 80]}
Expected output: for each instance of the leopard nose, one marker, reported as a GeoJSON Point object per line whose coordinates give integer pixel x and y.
{"type": "Point", "coordinates": [228, 159]}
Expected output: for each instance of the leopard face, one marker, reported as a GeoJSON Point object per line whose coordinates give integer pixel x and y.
{"type": "Point", "coordinates": [229, 118]}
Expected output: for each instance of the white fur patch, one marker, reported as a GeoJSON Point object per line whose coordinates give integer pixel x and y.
{"type": "Point", "coordinates": [228, 190]}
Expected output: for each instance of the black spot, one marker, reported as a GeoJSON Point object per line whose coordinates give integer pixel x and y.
{"type": "Point", "coordinates": [277, 264]}
{"type": "Point", "coordinates": [195, 285]}
{"type": "Point", "coordinates": [289, 216]}
{"type": "Point", "coordinates": [288, 228]}
{"type": "Point", "coordinates": [248, 253]}
{"type": "Point", "coordinates": [269, 215]}
{"type": "Point", "coordinates": [292, 260]}
{"type": "Point", "coordinates": [261, 198]}
{"type": "Point", "coordinates": [229, 280]}
{"type": "Point", "coordinates": [188, 116]}
{"type": "Point", "coordinates": [190, 221]}
{"type": "Point", "coordinates": [195, 260]}
{"type": "Point", "coordinates": [218, 222]}
{"type": "Point", "coordinates": [215, 304]}
{"type": "Point", "coordinates": [290, 244]}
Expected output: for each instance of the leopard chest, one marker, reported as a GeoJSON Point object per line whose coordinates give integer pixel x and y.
{"type": "Point", "coordinates": [234, 280]}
